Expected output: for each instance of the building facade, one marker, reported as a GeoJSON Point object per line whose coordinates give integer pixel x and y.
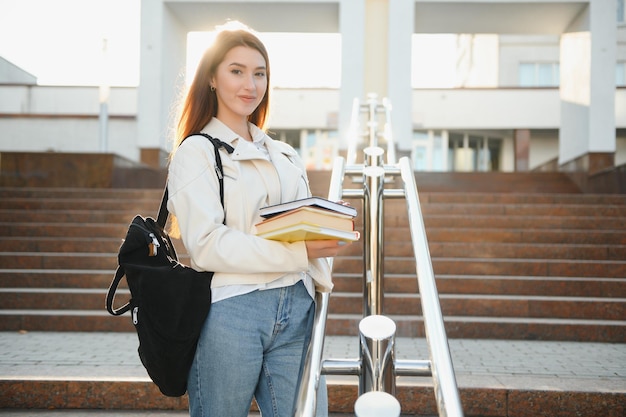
{"type": "Point", "coordinates": [534, 84]}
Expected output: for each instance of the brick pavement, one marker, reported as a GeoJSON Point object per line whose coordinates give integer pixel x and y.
{"type": "Point", "coordinates": [590, 367]}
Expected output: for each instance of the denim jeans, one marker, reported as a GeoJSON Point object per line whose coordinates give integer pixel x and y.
{"type": "Point", "coordinates": [252, 345]}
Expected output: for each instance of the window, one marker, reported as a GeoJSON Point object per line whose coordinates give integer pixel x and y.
{"type": "Point", "coordinates": [621, 16]}
{"type": "Point", "coordinates": [539, 74]}
{"type": "Point", "coordinates": [620, 74]}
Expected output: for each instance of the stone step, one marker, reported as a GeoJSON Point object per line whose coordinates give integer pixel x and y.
{"type": "Point", "coordinates": [526, 209]}
{"type": "Point", "coordinates": [579, 236]}
{"type": "Point", "coordinates": [351, 303]}
{"type": "Point", "coordinates": [81, 193]}
{"type": "Point", "coordinates": [354, 264]}
{"type": "Point", "coordinates": [496, 182]}
{"type": "Point", "coordinates": [427, 197]}
{"type": "Point", "coordinates": [67, 216]}
{"type": "Point", "coordinates": [391, 234]}
{"type": "Point", "coordinates": [494, 266]}
{"type": "Point", "coordinates": [353, 283]}
{"type": "Point", "coordinates": [517, 250]}
{"type": "Point", "coordinates": [487, 306]}
{"type": "Point", "coordinates": [494, 285]}
{"type": "Point", "coordinates": [403, 249]}
{"type": "Point", "coordinates": [57, 278]}
{"type": "Point", "coordinates": [509, 328]}
{"type": "Point", "coordinates": [148, 178]}
{"type": "Point", "coordinates": [81, 395]}
{"type": "Point", "coordinates": [430, 195]}
{"type": "Point", "coordinates": [514, 198]}
{"type": "Point", "coordinates": [431, 220]}
{"type": "Point", "coordinates": [518, 222]}
{"type": "Point", "coordinates": [467, 192]}
{"type": "Point", "coordinates": [85, 245]}
{"type": "Point", "coordinates": [150, 206]}
{"type": "Point", "coordinates": [62, 230]}
{"type": "Point", "coordinates": [144, 206]}
{"type": "Point", "coordinates": [457, 327]}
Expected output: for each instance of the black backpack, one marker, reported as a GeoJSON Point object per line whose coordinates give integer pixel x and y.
{"type": "Point", "coordinates": [169, 301]}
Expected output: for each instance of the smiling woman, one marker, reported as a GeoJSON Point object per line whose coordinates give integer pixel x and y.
{"type": "Point", "coordinates": [253, 342]}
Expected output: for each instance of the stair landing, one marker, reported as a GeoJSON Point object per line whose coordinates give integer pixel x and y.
{"type": "Point", "coordinates": [496, 378]}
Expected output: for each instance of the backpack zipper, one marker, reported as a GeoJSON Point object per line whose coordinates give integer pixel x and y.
{"type": "Point", "coordinates": [153, 242]}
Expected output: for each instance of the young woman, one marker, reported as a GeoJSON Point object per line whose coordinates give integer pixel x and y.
{"type": "Point", "coordinates": [255, 337]}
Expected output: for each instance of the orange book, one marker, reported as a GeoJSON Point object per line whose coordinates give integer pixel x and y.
{"type": "Point", "coordinates": [309, 215]}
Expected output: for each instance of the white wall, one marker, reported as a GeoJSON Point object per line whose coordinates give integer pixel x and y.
{"type": "Point", "coordinates": [60, 101]}
{"type": "Point", "coordinates": [304, 109]}
{"type": "Point", "coordinates": [11, 73]}
{"type": "Point", "coordinates": [38, 118]}
{"type": "Point", "coordinates": [486, 108]}
{"type": "Point", "coordinates": [543, 148]}
{"type": "Point", "coordinates": [67, 134]}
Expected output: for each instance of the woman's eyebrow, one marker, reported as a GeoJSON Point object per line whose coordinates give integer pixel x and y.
{"type": "Point", "coordinates": [237, 64]}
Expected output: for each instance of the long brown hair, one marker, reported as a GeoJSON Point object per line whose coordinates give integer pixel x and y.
{"type": "Point", "coordinates": [200, 103]}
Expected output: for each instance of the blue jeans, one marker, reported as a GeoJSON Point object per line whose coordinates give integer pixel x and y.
{"type": "Point", "coordinates": [252, 345]}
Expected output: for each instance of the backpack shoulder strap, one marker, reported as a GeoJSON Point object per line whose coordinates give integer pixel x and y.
{"type": "Point", "coordinates": [219, 170]}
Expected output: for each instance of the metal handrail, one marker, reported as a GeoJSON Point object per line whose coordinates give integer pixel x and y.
{"type": "Point", "coordinates": [446, 390]}
{"type": "Point", "coordinates": [306, 400]}
{"type": "Point", "coordinates": [373, 172]}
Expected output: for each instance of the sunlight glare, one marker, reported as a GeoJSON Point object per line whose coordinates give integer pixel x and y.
{"type": "Point", "coordinates": [60, 42]}
{"type": "Point", "coordinates": [434, 61]}
{"type": "Point", "coordinates": [298, 60]}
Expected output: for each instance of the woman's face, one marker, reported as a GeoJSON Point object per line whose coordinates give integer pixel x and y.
{"type": "Point", "coordinates": [240, 83]}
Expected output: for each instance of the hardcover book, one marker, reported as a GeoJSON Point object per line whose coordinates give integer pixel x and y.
{"type": "Point", "coordinates": [305, 231]}
{"type": "Point", "coordinates": [307, 214]}
{"type": "Point", "coordinates": [317, 202]}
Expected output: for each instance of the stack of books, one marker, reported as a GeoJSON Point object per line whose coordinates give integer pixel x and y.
{"type": "Point", "coordinates": [313, 218]}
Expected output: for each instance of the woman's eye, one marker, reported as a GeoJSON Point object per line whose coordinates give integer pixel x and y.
{"type": "Point", "coordinates": [260, 74]}
{"type": "Point", "coordinates": [235, 71]}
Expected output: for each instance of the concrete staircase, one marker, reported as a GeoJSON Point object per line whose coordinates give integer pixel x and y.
{"type": "Point", "coordinates": [516, 256]}
{"type": "Point", "coordinates": [509, 266]}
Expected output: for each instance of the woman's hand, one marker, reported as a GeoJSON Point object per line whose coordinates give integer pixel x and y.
{"type": "Point", "coordinates": [324, 248]}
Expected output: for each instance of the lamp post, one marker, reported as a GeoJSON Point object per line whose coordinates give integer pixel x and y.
{"type": "Point", "coordinates": [104, 91]}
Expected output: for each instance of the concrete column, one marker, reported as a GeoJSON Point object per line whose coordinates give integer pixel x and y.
{"type": "Point", "coordinates": [352, 28]}
{"type": "Point", "coordinates": [522, 149]}
{"type": "Point", "coordinates": [399, 91]}
{"type": "Point", "coordinates": [376, 41]}
{"type": "Point", "coordinates": [587, 68]}
{"type": "Point", "coordinates": [163, 53]}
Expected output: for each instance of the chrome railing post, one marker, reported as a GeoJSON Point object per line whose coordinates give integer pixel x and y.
{"type": "Point", "coordinates": [377, 366]}
{"type": "Point", "coordinates": [377, 341]}
{"type": "Point", "coordinates": [377, 404]}
{"type": "Point", "coordinates": [373, 182]}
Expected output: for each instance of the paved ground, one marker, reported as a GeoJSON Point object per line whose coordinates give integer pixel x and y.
{"type": "Point", "coordinates": [113, 355]}
{"type": "Point", "coordinates": [590, 367]}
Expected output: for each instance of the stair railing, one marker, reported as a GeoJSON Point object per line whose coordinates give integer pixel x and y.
{"type": "Point", "coordinates": [377, 366]}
